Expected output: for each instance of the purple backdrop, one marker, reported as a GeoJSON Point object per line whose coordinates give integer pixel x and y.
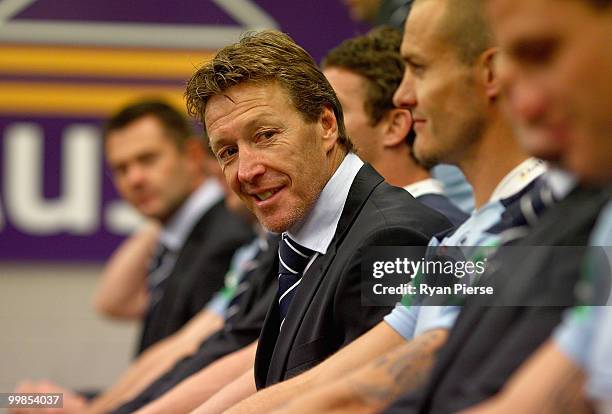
{"type": "Point", "coordinates": [316, 25]}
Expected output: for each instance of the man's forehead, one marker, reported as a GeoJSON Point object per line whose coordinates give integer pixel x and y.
{"type": "Point", "coordinates": [517, 15]}
{"type": "Point", "coordinates": [352, 81]}
{"type": "Point", "coordinates": [119, 147]}
{"type": "Point", "coordinates": [244, 107]}
{"type": "Point", "coordinates": [235, 96]}
{"type": "Point", "coordinates": [521, 23]}
{"type": "Point", "coordinates": [240, 99]}
{"type": "Point", "coordinates": [422, 27]}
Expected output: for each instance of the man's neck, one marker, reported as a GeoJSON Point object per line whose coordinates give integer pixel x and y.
{"type": "Point", "coordinates": [196, 182]}
{"type": "Point", "coordinates": [335, 159]}
{"type": "Point", "coordinates": [492, 158]}
{"type": "Point", "coordinates": [399, 169]}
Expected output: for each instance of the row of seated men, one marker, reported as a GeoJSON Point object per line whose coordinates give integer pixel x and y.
{"type": "Point", "coordinates": [320, 165]}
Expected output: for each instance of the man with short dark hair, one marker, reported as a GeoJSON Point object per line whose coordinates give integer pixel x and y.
{"type": "Point", "coordinates": [365, 71]}
{"type": "Point", "coordinates": [167, 174]}
{"type": "Point", "coordinates": [160, 169]}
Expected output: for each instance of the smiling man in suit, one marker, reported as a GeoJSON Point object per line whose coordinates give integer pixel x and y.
{"type": "Point", "coordinates": [276, 127]}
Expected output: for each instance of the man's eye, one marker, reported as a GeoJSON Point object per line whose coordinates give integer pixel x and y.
{"type": "Point", "coordinates": [119, 170]}
{"type": "Point", "coordinates": [148, 159]}
{"type": "Point", "coordinates": [227, 153]}
{"type": "Point", "coordinates": [536, 51]}
{"type": "Point", "coordinates": [418, 70]}
{"type": "Point", "coordinates": [268, 134]}
{"type": "Point", "coordinates": [415, 68]}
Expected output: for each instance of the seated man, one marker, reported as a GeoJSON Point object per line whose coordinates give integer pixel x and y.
{"type": "Point", "coordinates": [393, 13]}
{"type": "Point", "coordinates": [169, 176]}
{"type": "Point", "coordinates": [395, 355]}
{"type": "Point", "coordinates": [535, 277]}
{"type": "Point", "coordinates": [553, 380]}
{"type": "Point", "coordinates": [365, 72]}
{"type": "Point", "coordinates": [159, 168]}
{"type": "Point", "coordinates": [277, 129]}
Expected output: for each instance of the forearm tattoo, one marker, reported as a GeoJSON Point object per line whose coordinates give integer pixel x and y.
{"type": "Point", "coordinates": [401, 371]}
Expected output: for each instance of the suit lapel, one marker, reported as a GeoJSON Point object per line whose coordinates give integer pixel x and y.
{"type": "Point", "coordinates": [190, 248]}
{"type": "Point", "coordinates": [364, 183]}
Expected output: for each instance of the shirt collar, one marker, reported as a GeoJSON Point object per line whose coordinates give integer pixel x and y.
{"type": "Point", "coordinates": [317, 229]}
{"type": "Point", "coordinates": [178, 228]}
{"type": "Point", "coordinates": [424, 187]}
{"type": "Point", "coordinates": [561, 182]}
{"type": "Point", "coordinates": [518, 178]}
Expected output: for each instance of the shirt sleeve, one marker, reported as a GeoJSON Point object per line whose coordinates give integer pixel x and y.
{"type": "Point", "coordinates": [575, 334]}
{"type": "Point", "coordinates": [599, 385]}
{"type": "Point", "coordinates": [403, 320]}
{"type": "Point", "coordinates": [436, 317]}
{"type": "Point", "coordinates": [218, 304]}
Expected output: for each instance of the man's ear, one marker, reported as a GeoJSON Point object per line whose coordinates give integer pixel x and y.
{"type": "Point", "coordinates": [397, 123]}
{"type": "Point", "coordinates": [488, 72]}
{"type": "Point", "coordinates": [329, 126]}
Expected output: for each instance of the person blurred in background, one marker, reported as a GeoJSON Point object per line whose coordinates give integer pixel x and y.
{"type": "Point", "coordinates": [556, 73]}
{"type": "Point", "coordinates": [554, 80]}
{"type": "Point", "coordinates": [365, 71]}
{"type": "Point", "coordinates": [165, 277]}
{"type": "Point", "coordinates": [393, 13]}
{"type": "Point", "coordinates": [168, 175]}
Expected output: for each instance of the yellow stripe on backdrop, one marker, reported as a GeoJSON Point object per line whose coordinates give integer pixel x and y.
{"type": "Point", "coordinates": [78, 99]}
{"type": "Point", "coordinates": [105, 62]}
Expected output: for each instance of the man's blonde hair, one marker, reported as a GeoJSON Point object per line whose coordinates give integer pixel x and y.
{"type": "Point", "coordinates": [262, 57]}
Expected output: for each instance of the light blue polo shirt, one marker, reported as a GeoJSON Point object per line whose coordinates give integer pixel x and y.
{"type": "Point", "coordinates": [585, 335]}
{"type": "Point", "coordinates": [410, 321]}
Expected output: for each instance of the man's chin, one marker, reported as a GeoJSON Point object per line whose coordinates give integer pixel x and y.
{"type": "Point", "coordinates": [426, 160]}
{"type": "Point", "coordinates": [155, 214]}
{"type": "Point", "coordinates": [542, 144]}
{"type": "Point", "coordinates": [278, 224]}
{"type": "Point", "coordinates": [547, 153]}
{"type": "Point", "coordinates": [273, 227]}
{"type": "Point", "coordinates": [273, 224]}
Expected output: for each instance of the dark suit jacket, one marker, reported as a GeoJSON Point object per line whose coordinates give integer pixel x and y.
{"type": "Point", "coordinates": [326, 312]}
{"type": "Point", "coordinates": [199, 272]}
{"type": "Point", "coordinates": [441, 203]}
{"type": "Point", "coordinates": [239, 331]}
{"type": "Point", "coordinates": [488, 343]}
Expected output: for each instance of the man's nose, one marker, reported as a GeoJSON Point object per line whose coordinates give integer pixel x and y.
{"type": "Point", "coordinates": [250, 165]}
{"type": "Point", "coordinates": [404, 96]}
{"type": "Point", "coordinates": [135, 175]}
{"type": "Point", "coordinates": [527, 100]}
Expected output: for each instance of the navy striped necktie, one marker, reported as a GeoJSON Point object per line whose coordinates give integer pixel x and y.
{"type": "Point", "coordinates": [293, 259]}
{"type": "Point", "coordinates": [159, 268]}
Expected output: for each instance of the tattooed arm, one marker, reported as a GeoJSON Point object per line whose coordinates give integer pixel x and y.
{"type": "Point", "coordinates": [377, 384]}
{"type": "Point", "coordinates": [548, 383]}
